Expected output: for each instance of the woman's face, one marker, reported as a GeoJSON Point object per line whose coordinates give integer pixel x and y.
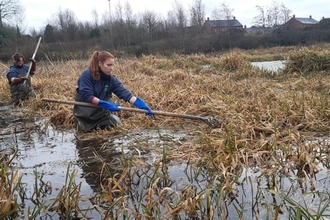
{"type": "Point", "coordinates": [107, 65]}
{"type": "Point", "coordinates": [20, 62]}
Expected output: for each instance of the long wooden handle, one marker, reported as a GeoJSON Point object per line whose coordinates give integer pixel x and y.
{"type": "Point", "coordinates": [128, 109]}
{"type": "Point", "coordinates": [33, 56]}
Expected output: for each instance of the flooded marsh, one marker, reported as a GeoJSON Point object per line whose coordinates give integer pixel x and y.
{"type": "Point", "coordinates": [269, 160]}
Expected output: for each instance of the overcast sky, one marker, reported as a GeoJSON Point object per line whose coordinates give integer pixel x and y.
{"type": "Point", "coordinates": [38, 12]}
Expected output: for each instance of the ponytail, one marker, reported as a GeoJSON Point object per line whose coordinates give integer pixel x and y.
{"type": "Point", "coordinates": [94, 66]}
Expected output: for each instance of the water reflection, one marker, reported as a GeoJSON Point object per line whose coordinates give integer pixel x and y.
{"type": "Point", "coordinates": [102, 158]}
{"type": "Point", "coordinates": [97, 162]}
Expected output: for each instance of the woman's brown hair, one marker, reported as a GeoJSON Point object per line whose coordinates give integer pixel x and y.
{"type": "Point", "coordinates": [97, 57]}
{"type": "Point", "coordinates": [17, 57]}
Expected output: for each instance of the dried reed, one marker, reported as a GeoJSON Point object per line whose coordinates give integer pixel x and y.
{"type": "Point", "coordinates": [269, 118]}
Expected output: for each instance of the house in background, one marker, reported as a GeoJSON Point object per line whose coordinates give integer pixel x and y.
{"type": "Point", "coordinates": [295, 22]}
{"type": "Point", "coordinates": [219, 26]}
{"type": "Point", "coordinates": [258, 30]}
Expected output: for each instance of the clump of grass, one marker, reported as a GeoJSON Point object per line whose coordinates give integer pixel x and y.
{"type": "Point", "coordinates": [10, 184]}
{"type": "Point", "coordinates": [306, 61]}
{"type": "Point", "coordinates": [183, 62]}
{"type": "Point", "coordinates": [63, 118]}
{"type": "Point", "coordinates": [303, 209]}
{"type": "Point", "coordinates": [234, 62]}
{"type": "Point", "coordinates": [66, 204]}
{"type": "Point", "coordinates": [268, 54]}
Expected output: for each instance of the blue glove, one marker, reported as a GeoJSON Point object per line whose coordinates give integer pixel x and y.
{"type": "Point", "coordinates": [140, 104]}
{"type": "Point", "coordinates": [108, 105]}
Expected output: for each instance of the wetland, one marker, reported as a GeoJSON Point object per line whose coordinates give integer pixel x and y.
{"type": "Point", "coordinates": [270, 161]}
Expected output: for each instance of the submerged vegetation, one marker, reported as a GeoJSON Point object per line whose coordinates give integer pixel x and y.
{"type": "Point", "coordinates": [272, 148]}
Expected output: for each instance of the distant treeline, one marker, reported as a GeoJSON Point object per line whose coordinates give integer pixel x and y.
{"type": "Point", "coordinates": [123, 39]}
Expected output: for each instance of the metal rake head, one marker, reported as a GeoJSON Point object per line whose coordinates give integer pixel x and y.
{"type": "Point", "coordinates": [217, 122]}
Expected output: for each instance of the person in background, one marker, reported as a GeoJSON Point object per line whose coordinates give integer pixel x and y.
{"type": "Point", "coordinates": [96, 85]}
{"type": "Point", "coordinates": [19, 80]}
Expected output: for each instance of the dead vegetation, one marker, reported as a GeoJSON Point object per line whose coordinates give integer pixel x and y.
{"type": "Point", "coordinates": [271, 118]}
{"type": "Point", "coordinates": [256, 104]}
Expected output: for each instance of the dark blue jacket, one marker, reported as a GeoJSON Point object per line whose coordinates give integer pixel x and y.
{"type": "Point", "coordinates": [88, 87]}
{"type": "Point", "coordinates": [18, 71]}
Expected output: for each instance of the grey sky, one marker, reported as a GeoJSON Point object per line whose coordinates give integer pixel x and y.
{"type": "Point", "coordinates": [37, 12]}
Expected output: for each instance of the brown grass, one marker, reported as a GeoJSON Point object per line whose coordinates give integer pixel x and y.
{"type": "Point", "coordinates": [265, 113]}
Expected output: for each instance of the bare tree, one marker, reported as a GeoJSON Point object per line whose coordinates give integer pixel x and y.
{"type": "Point", "coordinates": [197, 19]}
{"type": "Point", "coordinates": [227, 11]}
{"type": "Point", "coordinates": [10, 9]}
{"type": "Point", "coordinates": [285, 14]}
{"type": "Point", "coordinates": [118, 24]}
{"type": "Point", "coordinates": [273, 15]}
{"type": "Point", "coordinates": [95, 17]}
{"type": "Point", "coordinates": [119, 13]}
{"type": "Point", "coordinates": [180, 14]}
{"type": "Point", "coordinates": [197, 13]}
{"type": "Point", "coordinates": [65, 22]}
{"type": "Point", "coordinates": [171, 21]}
{"type": "Point", "coordinates": [21, 25]}
{"type": "Point", "coordinates": [128, 12]}
{"type": "Point", "coordinates": [124, 23]}
{"type": "Point", "coordinates": [260, 20]}
{"type": "Point", "coordinates": [130, 23]}
{"type": "Point", "coordinates": [224, 12]}
{"type": "Point", "coordinates": [180, 17]}
{"type": "Point", "coordinates": [149, 23]}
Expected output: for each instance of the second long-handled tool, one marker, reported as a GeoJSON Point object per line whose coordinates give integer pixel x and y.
{"type": "Point", "coordinates": [33, 56]}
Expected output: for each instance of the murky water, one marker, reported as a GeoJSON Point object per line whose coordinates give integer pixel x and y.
{"type": "Point", "coordinates": [48, 156]}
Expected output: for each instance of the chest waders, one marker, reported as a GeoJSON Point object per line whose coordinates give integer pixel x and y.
{"type": "Point", "coordinates": [21, 91]}
{"type": "Point", "coordinates": [89, 118]}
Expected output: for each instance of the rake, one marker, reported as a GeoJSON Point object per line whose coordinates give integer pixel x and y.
{"type": "Point", "coordinates": [213, 121]}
